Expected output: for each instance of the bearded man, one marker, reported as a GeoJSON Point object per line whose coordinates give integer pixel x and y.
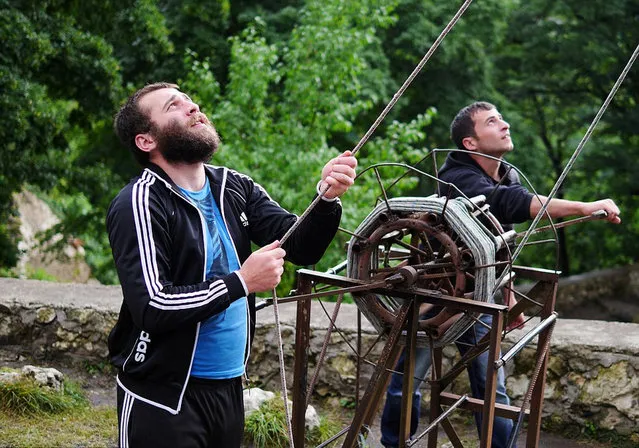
{"type": "Point", "coordinates": [181, 236]}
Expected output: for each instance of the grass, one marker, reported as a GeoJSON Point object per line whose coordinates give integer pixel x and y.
{"type": "Point", "coordinates": [86, 427]}
{"type": "Point", "coordinates": [266, 427]}
{"type": "Point", "coordinates": [32, 416]}
{"type": "Point", "coordinates": [40, 274]}
{"type": "Point", "coordinates": [99, 368]}
{"type": "Point", "coordinates": [27, 398]}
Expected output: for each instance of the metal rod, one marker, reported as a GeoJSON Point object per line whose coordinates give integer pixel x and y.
{"type": "Point", "coordinates": [334, 270]}
{"type": "Point", "coordinates": [541, 361]}
{"type": "Point", "coordinates": [381, 185]}
{"type": "Point", "coordinates": [335, 437]}
{"type": "Point", "coordinates": [435, 422]}
{"type": "Point", "coordinates": [334, 292]}
{"type": "Point", "coordinates": [525, 340]}
{"type": "Point", "coordinates": [532, 243]}
{"type": "Point", "coordinates": [263, 304]}
{"type": "Point", "coordinates": [580, 146]}
{"type": "Point", "coordinates": [337, 268]}
{"type": "Point", "coordinates": [348, 232]}
{"type": "Point", "coordinates": [599, 214]}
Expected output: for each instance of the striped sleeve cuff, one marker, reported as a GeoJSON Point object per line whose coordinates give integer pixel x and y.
{"type": "Point", "coordinates": [239, 276]}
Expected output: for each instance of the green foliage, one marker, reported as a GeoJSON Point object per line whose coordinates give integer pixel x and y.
{"type": "Point", "coordinates": [26, 397]}
{"type": "Point", "coordinates": [292, 83]}
{"type": "Point", "coordinates": [99, 368]}
{"type": "Point", "coordinates": [86, 426]}
{"type": "Point", "coordinates": [52, 75]}
{"type": "Point", "coordinates": [284, 103]}
{"type": "Point", "coordinates": [347, 403]}
{"type": "Point", "coordinates": [461, 70]}
{"type": "Point", "coordinates": [201, 27]}
{"type": "Point", "coordinates": [590, 434]}
{"type": "Point", "coordinates": [9, 235]}
{"type": "Point", "coordinates": [31, 133]}
{"type": "Point", "coordinates": [558, 63]}
{"type": "Point", "coordinates": [40, 274]}
{"type": "Point", "coordinates": [266, 427]}
{"type": "Point", "coordinates": [328, 427]}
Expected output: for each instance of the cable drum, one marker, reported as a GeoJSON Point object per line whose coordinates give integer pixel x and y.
{"type": "Point", "coordinates": [433, 243]}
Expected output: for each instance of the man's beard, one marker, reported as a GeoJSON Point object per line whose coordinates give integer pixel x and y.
{"type": "Point", "coordinates": [180, 144]}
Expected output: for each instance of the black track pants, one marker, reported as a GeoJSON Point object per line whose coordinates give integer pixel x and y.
{"type": "Point", "coordinates": [212, 416]}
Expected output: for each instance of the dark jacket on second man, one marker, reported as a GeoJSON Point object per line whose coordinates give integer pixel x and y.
{"type": "Point", "coordinates": [509, 200]}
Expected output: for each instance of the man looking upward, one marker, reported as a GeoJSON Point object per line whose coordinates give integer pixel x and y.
{"type": "Point", "coordinates": [480, 130]}
{"type": "Point", "coordinates": [181, 235]}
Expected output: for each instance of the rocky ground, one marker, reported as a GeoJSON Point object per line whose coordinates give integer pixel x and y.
{"type": "Point", "coordinates": [98, 382]}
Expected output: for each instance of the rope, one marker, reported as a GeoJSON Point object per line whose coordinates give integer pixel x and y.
{"type": "Point", "coordinates": [280, 353]}
{"type": "Point", "coordinates": [577, 152]}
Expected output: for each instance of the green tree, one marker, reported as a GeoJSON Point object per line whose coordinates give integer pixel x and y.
{"type": "Point", "coordinates": [291, 83]}
{"type": "Point", "coordinates": [284, 103]}
{"type": "Point", "coordinates": [200, 27]}
{"type": "Point", "coordinates": [51, 75]}
{"type": "Point", "coordinates": [462, 68]}
{"type": "Point", "coordinates": [558, 63]}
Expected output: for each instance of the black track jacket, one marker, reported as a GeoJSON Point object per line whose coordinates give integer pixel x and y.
{"type": "Point", "coordinates": [509, 201]}
{"type": "Point", "coordinates": [158, 242]}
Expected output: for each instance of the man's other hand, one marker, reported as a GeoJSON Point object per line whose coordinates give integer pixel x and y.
{"type": "Point", "coordinates": [608, 205]}
{"type": "Point", "coordinates": [262, 270]}
{"type": "Point", "coordinates": [339, 174]}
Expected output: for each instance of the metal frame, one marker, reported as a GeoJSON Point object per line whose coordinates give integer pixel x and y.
{"type": "Point", "coordinates": [406, 324]}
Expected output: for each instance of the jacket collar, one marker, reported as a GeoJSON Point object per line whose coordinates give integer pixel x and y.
{"type": "Point", "coordinates": [214, 173]}
{"type": "Point", "coordinates": [460, 158]}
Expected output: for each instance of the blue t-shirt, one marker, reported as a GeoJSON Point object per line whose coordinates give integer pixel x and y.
{"type": "Point", "coordinates": [221, 342]}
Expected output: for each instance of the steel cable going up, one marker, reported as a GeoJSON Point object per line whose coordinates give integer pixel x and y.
{"type": "Point", "coordinates": [357, 147]}
{"type": "Point", "coordinates": [388, 107]}
{"type": "Point", "coordinates": [577, 152]}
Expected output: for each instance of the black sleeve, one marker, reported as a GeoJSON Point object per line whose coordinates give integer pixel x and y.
{"type": "Point", "coordinates": [509, 203]}
{"type": "Point", "coordinates": [309, 241]}
{"type": "Point", "coordinates": [269, 221]}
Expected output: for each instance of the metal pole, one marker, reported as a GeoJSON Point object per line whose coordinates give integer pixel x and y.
{"type": "Point", "coordinates": [525, 340]}
{"type": "Point", "coordinates": [435, 422]}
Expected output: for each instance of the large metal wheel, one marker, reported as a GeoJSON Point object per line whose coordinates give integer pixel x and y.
{"type": "Point", "coordinates": [428, 243]}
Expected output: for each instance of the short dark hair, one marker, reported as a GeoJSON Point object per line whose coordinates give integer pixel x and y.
{"type": "Point", "coordinates": [463, 125]}
{"type": "Point", "coordinates": [131, 120]}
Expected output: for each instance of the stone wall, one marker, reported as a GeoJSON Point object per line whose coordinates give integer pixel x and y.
{"type": "Point", "coordinates": [57, 320]}
{"type": "Point", "coordinates": [593, 377]}
{"type": "Point", "coordinates": [608, 294]}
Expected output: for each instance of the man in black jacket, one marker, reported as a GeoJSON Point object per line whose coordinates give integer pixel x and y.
{"type": "Point", "coordinates": [181, 237]}
{"type": "Point", "coordinates": [480, 130]}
